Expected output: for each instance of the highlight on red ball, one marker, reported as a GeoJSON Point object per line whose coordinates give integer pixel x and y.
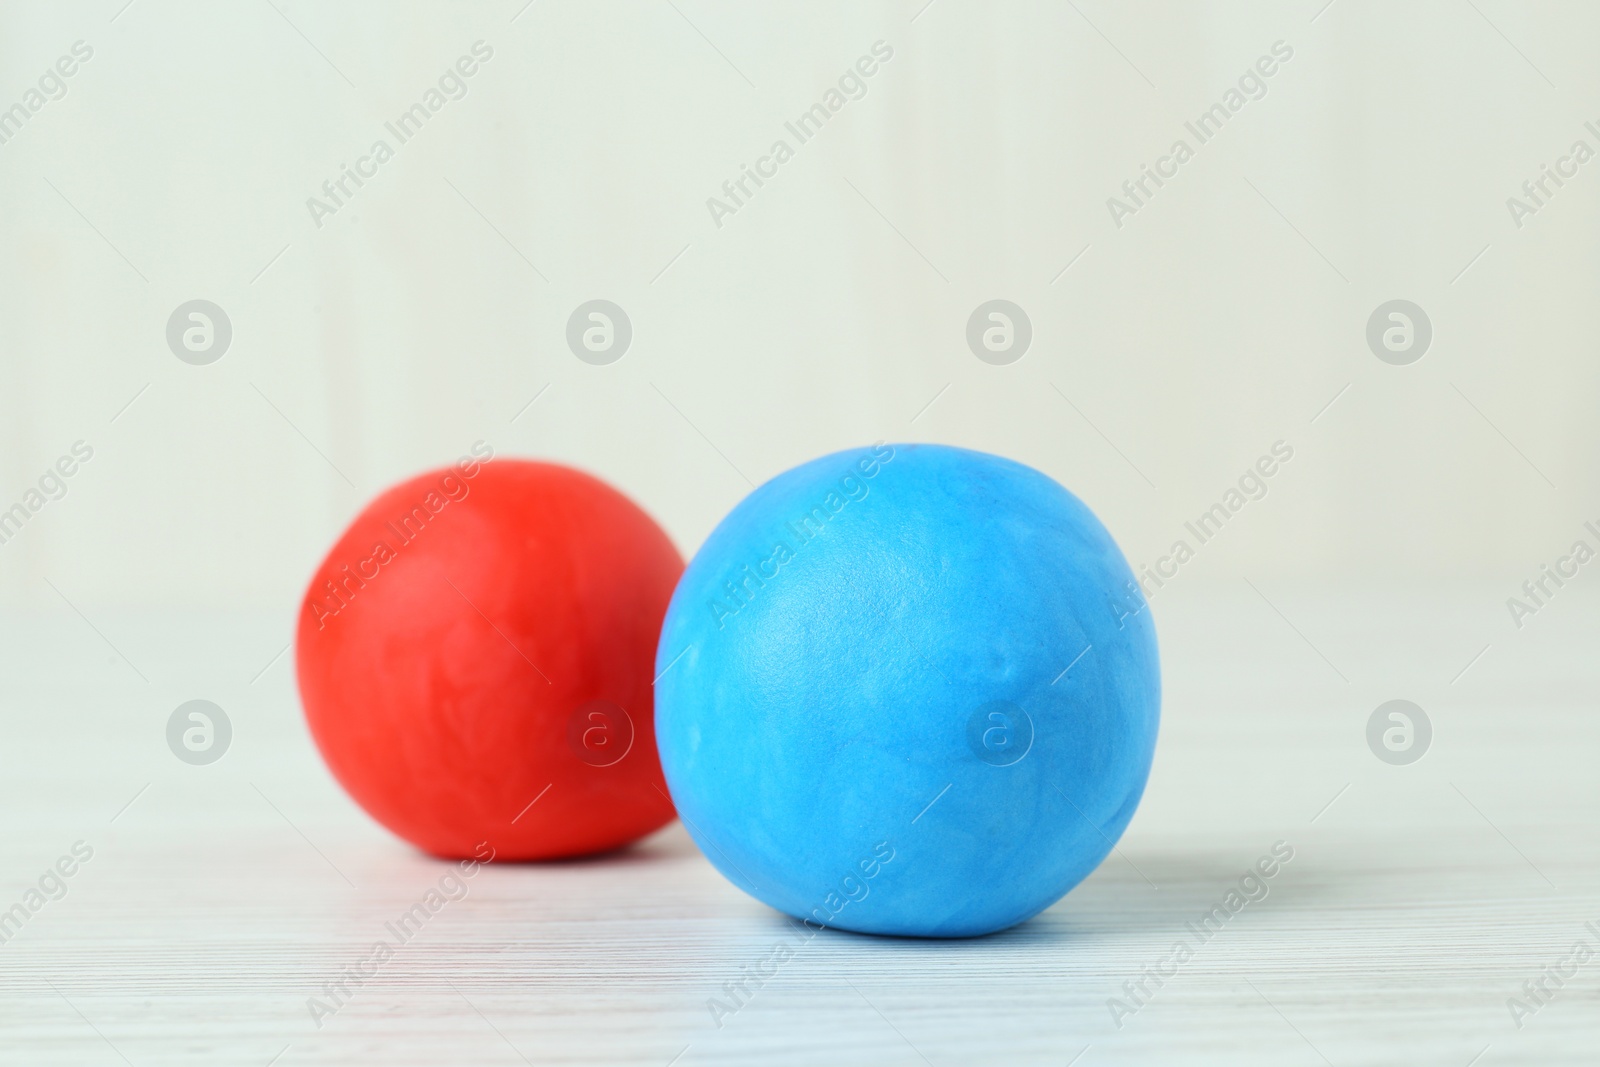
{"type": "Point", "coordinates": [475, 659]}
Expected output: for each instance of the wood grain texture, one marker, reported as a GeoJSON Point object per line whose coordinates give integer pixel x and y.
{"type": "Point", "coordinates": [222, 898]}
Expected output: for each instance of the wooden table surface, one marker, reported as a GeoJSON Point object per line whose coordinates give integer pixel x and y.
{"type": "Point", "coordinates": [219, 900]}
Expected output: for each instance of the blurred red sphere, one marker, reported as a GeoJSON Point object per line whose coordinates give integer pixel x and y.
{"type": "Point", "coordinates": [475, 658]}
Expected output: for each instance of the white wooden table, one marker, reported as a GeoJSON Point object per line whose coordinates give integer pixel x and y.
{"type": "Point", "coordinates": [1420, 898]}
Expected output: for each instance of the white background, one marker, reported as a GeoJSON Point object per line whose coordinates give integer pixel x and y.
{"type": "Point", "coordinates": [1211, 324]}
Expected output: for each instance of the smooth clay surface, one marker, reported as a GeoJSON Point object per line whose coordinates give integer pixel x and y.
{"type": "Point", "coordinates": [908, 689]}
{"type": "Point", "coordinates": [474, 659]}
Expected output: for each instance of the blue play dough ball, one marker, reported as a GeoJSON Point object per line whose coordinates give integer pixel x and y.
{"type": "Point", "coordinates": [866, 713]}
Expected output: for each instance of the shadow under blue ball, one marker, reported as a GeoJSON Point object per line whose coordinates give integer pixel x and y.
{"type": "Point", "coordinates": [865, 711]}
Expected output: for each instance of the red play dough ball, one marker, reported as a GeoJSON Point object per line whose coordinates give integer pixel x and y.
{"type": "Point", "coordinates": [475, 658]}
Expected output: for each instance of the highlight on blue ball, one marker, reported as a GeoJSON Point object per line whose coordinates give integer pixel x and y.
{"type": "Point", "coordinates": [908, 689]}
